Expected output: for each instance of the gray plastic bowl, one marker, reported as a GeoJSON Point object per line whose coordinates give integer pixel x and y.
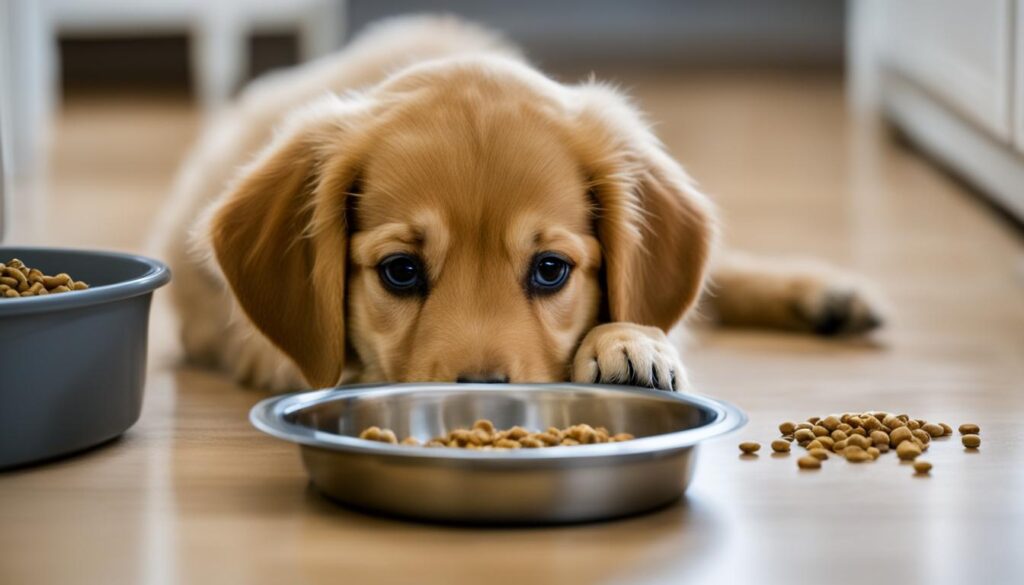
{"type": "Point", "coordinates": [73, 365]}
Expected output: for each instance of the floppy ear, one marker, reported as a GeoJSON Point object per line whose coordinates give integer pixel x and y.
{"type": "Point", "coordinates": [280, 238]}
{"type": "Point", "coordinates": [656, 230]}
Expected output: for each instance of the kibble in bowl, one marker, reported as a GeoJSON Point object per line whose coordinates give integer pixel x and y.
{"type": "Point", "coordinates": [18, 280]}
{"type": "Point", "coordinates": [485, 437]}
{"type": "Point", "coordinates": [419, 457]}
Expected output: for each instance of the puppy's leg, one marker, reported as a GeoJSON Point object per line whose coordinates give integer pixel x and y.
{"type": "Point", "coordinates": [254, 361]}
{"type": "Point", "coordinates": [627, 353]}
{"type": "Point", "coordinates": [804, 296]}
{"type": "Point", "coordinates": [215, 333]}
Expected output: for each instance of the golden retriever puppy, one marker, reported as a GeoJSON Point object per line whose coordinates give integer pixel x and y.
{"type": "Point", "coordinates": [425, 206]}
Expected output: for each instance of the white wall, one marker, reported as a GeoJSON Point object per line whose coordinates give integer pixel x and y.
{"type": "Point", "coordinates": [655, 31]}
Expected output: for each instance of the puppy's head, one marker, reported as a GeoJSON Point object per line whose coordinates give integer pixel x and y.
{"type": "Point", "coordinates": [462, 221]}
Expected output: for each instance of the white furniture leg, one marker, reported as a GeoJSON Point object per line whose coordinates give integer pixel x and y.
{"type": "Point", "coordinates": [219, 56]}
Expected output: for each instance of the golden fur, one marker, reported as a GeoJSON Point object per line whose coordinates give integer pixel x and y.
{"type": "Point", "coordinates": [430, 137]}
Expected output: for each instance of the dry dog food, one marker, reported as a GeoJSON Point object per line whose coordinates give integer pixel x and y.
{"type": "Point", "coordinates": [808, 462]}
{"type": "Point", "coordinates": [863, 437]}
{"type": "Point", "coordinates": [818, 453]}
{"type": "Point", "coordinates": [908, 451]}
{"type": "Point", "coordinates": [750, 447]}
{"type": "Point", "coordinates": [18, 280]}
{"type": "Point", "coordinates": [485, 437]}
{"type": "Point", "coordinates": [971, 441]}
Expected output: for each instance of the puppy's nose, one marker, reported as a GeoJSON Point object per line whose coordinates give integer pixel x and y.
{"type": "Point", "coordinates": [488, 378]}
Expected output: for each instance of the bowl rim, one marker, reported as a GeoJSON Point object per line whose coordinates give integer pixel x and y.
{"type": "Point", "coordinates": [269, 416]}
{"type": "Point", "coordinates": [156, 275]}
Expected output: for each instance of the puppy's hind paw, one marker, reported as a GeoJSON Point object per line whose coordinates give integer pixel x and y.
{"type": "Point", "coordinates": [793, 295]}
{"type": "Point", "coordinates": [839, 309]}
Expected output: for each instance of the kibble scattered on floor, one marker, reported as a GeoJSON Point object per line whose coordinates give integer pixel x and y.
{"type": "Point", "coordinates": [808, 462]}
{"type": "Point", "coordinates": [864, 437]}
{"type": "Point", "coordinates": [971, 441]}
{"type": "Point", "coordinates": [750, 447]}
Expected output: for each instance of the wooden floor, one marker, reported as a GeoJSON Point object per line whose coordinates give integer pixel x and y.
{"type": "Point", "coordinates": [194, 494]}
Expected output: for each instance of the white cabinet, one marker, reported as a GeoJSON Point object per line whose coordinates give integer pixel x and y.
{"type": "Point", "coordinates": [960, 51]}
{"type": "Point", "coordinates": [950, 74]}
{"type": "Point", "coordinates": [1018, 107]}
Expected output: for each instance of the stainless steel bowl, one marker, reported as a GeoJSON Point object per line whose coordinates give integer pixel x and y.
{"type": "Point", "coordinates": [551, 485]}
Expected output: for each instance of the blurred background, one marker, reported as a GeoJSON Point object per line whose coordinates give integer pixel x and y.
{"type": "Point", "coordinates": [789, 112]}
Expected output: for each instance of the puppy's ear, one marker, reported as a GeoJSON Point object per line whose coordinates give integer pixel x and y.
{"type": "Point", "coordinates": [656, 230]}
{"type": "Point", "coordinates": [280, 238]}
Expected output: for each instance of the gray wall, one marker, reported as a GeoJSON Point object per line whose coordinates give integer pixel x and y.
{"type": "Point", "coordinates": [648, 32]}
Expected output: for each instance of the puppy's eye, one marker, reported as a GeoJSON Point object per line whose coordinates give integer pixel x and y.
{"type": "Point", "coordinates": [548, 273]}
{"type": "Point", "coordinates": [402, 274]}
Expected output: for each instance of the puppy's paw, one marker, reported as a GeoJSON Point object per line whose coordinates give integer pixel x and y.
{"type": "Point", "coordinates": [630, 354]}
{"type": "Point", "coordinates": [795, 295]}
{"type": "Point", "coordinates": [255, 362]}
{"type": "Point", "coordinates": [835, 307]}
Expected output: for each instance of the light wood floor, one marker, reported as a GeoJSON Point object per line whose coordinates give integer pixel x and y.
{"type": "Point", "coordinates": [194, 494]}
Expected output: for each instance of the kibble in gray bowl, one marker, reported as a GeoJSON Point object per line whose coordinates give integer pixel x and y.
{"type": "Point", "coordinates": [73, 365]}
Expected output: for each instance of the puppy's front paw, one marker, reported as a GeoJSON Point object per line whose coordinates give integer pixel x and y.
{"type": "Point", "coordinates": [626, 353]}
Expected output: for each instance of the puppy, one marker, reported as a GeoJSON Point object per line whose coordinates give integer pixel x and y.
{"type": "Point", "coordinates": [425, 206]}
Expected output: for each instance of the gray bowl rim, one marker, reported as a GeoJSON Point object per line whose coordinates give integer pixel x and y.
{"type": "Point", "coordinates": [156, 275]}
{"type": "Point", "coordinates": [269, 416]}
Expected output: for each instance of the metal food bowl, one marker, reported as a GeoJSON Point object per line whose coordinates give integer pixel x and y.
{"type": "Point", "coordinates": [73, 364]}
{"type": "Point", "coordinates": [521, 486]}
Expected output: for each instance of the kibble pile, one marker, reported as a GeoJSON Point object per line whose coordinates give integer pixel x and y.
{"type": "Point", "coordinates": [18, 280]}
{"type": "Point", "coordinates": [485, 437]}
{"type": "Point", "coordinates": [863, 437]}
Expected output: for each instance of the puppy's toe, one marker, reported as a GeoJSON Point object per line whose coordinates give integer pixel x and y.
{"type": "Point", "coordinates": [628, 356]}
{"type": "Point", "coordinates": [837, 310]}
